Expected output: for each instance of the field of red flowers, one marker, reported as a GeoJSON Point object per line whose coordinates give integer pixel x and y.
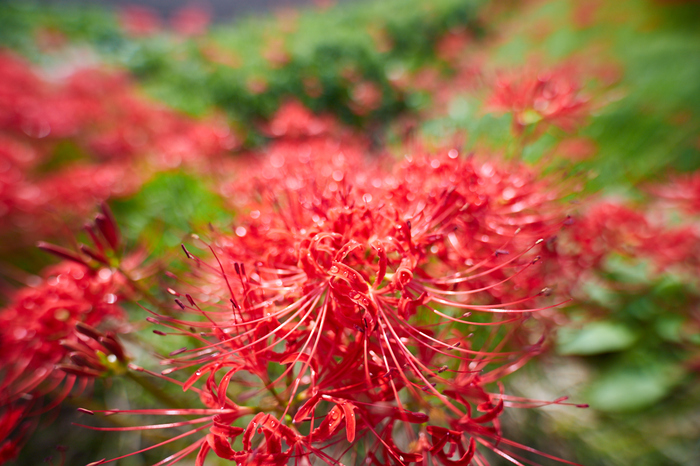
{"type": "Point", "coordinates": [455, 232]}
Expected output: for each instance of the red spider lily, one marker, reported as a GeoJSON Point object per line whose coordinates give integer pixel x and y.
{"type": "Point", "coordinates": [452, 44]}
{"type": "Point", "coordinates": [550, 97]}
{"type": "Point", "coordinates": [294, 122]}
{"type": "Point", "coordinates": [139, 21]}
{"type": "Point", "coordinates": [30, 106]}
{"type": "Point", "coordinates": [302, 142]}
{"type": "Point", "coordinates": [40, 317]}
{"type": "Point", "coordinates": [682, 191]}
{"type": "Point", "coordinates": [47, 338]}
{"type": "Point", "coordinates": [120, 139]}
{"type": "Point", "coordinates": [95, 354]}
{"type": "Point", "coordinates": [497, 212]}
{"type": "Point", "coordinates": [366, 97]}
{"type": "Point", "coordinates": [191, 20]}
{"type": "Point", "coordinates": [14, 428]}
{"type": "Point", "coordinates": [38, 330]}
{"type": "Point", "coordinates": [364, 298]}
{"type": "Point", "coordinates": [608, 227]}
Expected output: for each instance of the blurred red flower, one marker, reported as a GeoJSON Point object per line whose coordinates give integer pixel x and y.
{"type": "Point", "coordinates": [551, 97]}
{"type": "Point", "coordinates": [360, 298]}
{"type": "Point", "coordinates": [139, 21]}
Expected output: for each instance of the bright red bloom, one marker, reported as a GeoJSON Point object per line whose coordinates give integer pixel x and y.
{"type": "Point", "coordinates": [551, 97]}
{"type": "Point", "coordinates": [29, 107]}
{"type": "Point", "coordinates": [51, 321]}
{"type": "Point", "coordinates": [39, 317]}
{"type": "Point", "coordinates": [344, 300]}
{"type": "Point", "coordinates": [452, 44]}
{"type": "Point", "coordinates": [38, 330]}
{"type": "Point", "coordinates": [13, 431]}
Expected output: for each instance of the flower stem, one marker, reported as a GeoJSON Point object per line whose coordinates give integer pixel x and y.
{"type": "Point", "coordinates": [157, 392]}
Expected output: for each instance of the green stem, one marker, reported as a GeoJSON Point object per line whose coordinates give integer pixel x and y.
{"type": "Point", "coordinates": [145, 294]}
{"type": "Point", "coordinates": [157, 392]}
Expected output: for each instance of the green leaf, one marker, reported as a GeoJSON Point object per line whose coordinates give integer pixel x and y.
{"type": "Point", "coordinates": [170, 206]}
{"type": "Point", "coordinates": [670, 327]}
{"type": "Point", "coordinates": [595, 338]}
{"type": "Point", "coordinates": [626, 389]}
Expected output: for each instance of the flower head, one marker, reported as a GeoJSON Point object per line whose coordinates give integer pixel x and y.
{"type": "Point", "coordinates": [609, 227]}
{"type": "Point", "coordinates": [551, 97]}
{"type": "Point", "coordinates": [44, 325]}
{"type": "Point", "coordinates": [40, 318]}
{"type": "Point", "coordinates": [357, 301]}
{"type": "Point", "coordinates": [48, 339]}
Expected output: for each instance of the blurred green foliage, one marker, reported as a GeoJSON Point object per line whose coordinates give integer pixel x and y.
{"type": "Point", "coordinates": [326, 59]}
{"type": "Point", "coordinates": [86, 24]}
{"type": "Point", "coordinates": [168, 208]}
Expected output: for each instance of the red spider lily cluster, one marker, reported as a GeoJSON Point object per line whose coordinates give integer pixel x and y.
{"type": "Point", "coordinates": [659, 232]}
{"type": "Point", "coordinates": [360, 309]}
{"type": "Point", "coordinates": [549, 97]}
{"type": "Point", "coordinates": [48, 343]}
{"type": "Point", "coordinates": [40, 317]}
{"type": "Point", "coordinates": [123, 139]}
{"type": "Point", "coordinates": [43, 325]}
{"type": "Point", "coordinates": [609, 227]}
{"type": "Point", "coordinates": [681, 191]}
